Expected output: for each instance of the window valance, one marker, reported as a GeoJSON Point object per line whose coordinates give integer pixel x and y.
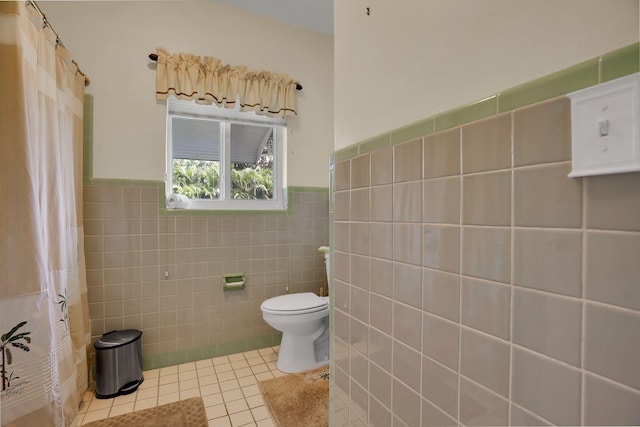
{"type": "Point", "coordinates": [207, 81]}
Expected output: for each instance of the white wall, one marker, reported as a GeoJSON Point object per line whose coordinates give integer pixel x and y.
{"type": "Point", "coordinates": [111, 42]}
{"type": "Point", "coordinates": [411, 59]}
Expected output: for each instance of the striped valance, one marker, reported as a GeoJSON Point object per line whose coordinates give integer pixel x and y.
{"type": "Point", "coordinates": [207, 81]}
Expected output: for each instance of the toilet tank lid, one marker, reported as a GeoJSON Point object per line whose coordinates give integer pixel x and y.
{"type": "Point", "coordinates": [291, 302]}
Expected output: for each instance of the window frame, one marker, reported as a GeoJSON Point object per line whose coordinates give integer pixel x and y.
{"type": "Point", "coordinates": [225, 116]}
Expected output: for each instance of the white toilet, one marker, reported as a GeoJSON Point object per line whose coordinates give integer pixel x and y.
{"type": "Point", "coordinates": [303, 319]}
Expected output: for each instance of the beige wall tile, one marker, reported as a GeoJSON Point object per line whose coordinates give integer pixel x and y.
{"type": "Point", "coordinates": [478, 407]}
{"type": "Point", "coordinates": [342, 206]}
{"type": "Point", "coordinates": [406, 326]}
{"type": "Point", "coordinates": [360, 271]}
{"type": "Point", "coordinates": [379, 415]}
{"type": "Point", "coordinates": [520, 417]}
{"type": "Point", "coordinates": [441, 200]}
{"type": "Point", "coordinates": [359, 304]}
{"type": "Point", "coordinates": [406, 404]}
{"type": "Point", "coordinates": [440, 386]}
{"type": "Point", "coordinates": [381, 240]}
{"type": "Point", "coordinates": [486, 253]}
{"type": "Point", "coordinates": [442, 154]}
{"type": "Point", "coordinates": [440, 340]}
{"type": "Point", "coordinates": [360, 205]}
{"type": "Point", "coordinates": [359, 400]}
{"type": "Point", "coordinates": [406, 365]}
{"type": "Point", "coordinates": [407, 284]}
{"type": "Point", "coordinates": [382, 277]}
{"type": "Point", "coordinates": [548, 260]}
{"type": "Point", "coordinates": [407, 202]}
{"type": "Point", "coordinates": [613, 270]}
{"type": "Point", "coordinates": [360, 368]}
{"type": "Point", "coordinates": [359, 336]}
{"type": "Point", "coordinates": [380, 349]}
{"type": "Point", "coordinates": [542, 133]}
{"type": "Point", "coordinates": [407, 161]}
{"type": "Point", "coordinates": [380, 384]}
{"type": "Point", "coordinates": [342, 295]}
{"type": "Point", "coordinates": [342, 175]}
{"type": "Point", "coordinates": [342, 266]}
{"type": "Point", "coordinates": [613, 201]}
{"type": "Point", "coordinates": [381, 313]}
{"type": "Point", "coordinates": [442, 247]}
{"type": "Point", "coordinates": [341, 237]}
{"type": "Point", "coordinates": [381, 203]}
{"type": "Point", "coordinates": [485, 360]}
{"type": "Point", "coordinates": [407, 243]}
{"type": "Point", "coordinates": [360, 171]}
{"type": "Point", "coordinates": [544, 196]}
{"type": "Point", "coordinates": [548, 324]}
{"type": "Point", "coordinates": [546, 388]}
{"type": "Point", "coordinates": [441, 293]}
{"type": "Point", "coordinates": [486, 144]}
{"type": "Point", "coordinates": [360, 238]}
{"type": "Point", "coordinates": [612, 347]}
{"type": "Point", "coordinates": [486, 199]}
{"type": "Point", "coordinates": [433, 416]}
{"type": "Point", "coordinates": [382, 166]}
{"type": "Point", "coordinates": [486, 306]}
{"type": "Point", "coordinates": [607, 403]}
{"type": "Point", "coordinates": [342, 326]}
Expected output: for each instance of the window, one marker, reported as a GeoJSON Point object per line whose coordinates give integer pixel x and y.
{"type": "Point", "coordinates": [225, 159]}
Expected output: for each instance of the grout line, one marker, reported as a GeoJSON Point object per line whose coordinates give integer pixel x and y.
{"type": "Point", "coordinates": [511, 265]}
{"type": "Point", "coordinates": [459, 274]}
{"type": "Point", "coordinates": [583, 280]}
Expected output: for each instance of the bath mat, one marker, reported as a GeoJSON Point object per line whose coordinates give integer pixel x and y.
{"type": "Point", "coordinates": [183, 413]}
{"type": "Point", "coordinates": [298, 399]}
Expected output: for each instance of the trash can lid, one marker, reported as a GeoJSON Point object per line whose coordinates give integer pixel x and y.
{"type": "Point", "coordinates": [118, 338]}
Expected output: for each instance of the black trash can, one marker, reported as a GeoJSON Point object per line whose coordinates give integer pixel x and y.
{"type": "Point", "coordinates": [118, 363]}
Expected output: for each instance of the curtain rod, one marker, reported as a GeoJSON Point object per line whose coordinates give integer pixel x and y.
{"type": "Point", "coordinates": [154, 57]}
{"type": "Point", "coordinates": [46, 23]}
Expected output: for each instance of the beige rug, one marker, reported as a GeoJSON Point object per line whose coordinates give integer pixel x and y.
{"type": "Point", "coordinates": [184, 413]}
{"type": "Point", "coordinates": [298, 399]}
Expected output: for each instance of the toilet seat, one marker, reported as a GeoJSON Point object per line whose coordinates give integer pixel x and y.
{"type": "Point", "coordinates": [293, 304]}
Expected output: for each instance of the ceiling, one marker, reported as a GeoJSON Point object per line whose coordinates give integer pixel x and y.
{"type": "Point", "coordinates": [316, 15]}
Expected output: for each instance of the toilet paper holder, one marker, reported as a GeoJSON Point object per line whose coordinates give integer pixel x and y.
{"type": "Point", "coordinates": [233, 281]}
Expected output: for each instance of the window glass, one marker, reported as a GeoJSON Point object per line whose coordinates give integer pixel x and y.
{"type": "Point", "coordinates": [222, 159]}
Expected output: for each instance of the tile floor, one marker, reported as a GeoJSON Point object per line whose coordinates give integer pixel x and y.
{"type": "Point", "coordinates": [227, 384]}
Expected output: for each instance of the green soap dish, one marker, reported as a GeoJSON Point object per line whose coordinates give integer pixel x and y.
{"type": "Point", "coordinates": [231, 282]}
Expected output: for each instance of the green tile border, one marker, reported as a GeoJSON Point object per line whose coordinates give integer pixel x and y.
{"type": "Point", "coordinates": [478, 110]}
{"type": "Point", "coordinates": [615, 64]}
{"type": "Point", "coordinates": [562, 82]}
{"type": "Point", "coordinates": [373, 144]}
{"type": "Point", "coordinates": [198, 353]}
{"type": "Point", "coordinates": [164, 212]}
{"type": "Point", "coordinates": [346, 153]}
{"type": "Point", "coordinates": [413, 131]}
{"type": "Point", "coordinates": [620, 63]}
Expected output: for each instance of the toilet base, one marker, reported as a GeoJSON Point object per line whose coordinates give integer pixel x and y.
{"type": "Point", "coordinates": [301, 353]}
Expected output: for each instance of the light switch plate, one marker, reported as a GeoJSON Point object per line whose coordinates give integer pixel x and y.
{"type": "Point", "coordinates": [605, 128]}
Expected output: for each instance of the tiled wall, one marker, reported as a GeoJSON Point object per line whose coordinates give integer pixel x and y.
{"type": "Point", "coordinates": [162, 272]}
{"type": "Point", "coordinates": [475, 283]}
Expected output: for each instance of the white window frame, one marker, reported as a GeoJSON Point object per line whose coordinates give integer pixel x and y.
{"type": "Point", "coordinates": [226, 116]}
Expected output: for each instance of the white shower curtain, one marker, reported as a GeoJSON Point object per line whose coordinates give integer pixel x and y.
{"type": "Point", "coordinates": [44, 329]}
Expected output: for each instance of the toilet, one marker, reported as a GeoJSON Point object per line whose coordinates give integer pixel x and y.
{"type": "Point", "coordinates": [303, 319]}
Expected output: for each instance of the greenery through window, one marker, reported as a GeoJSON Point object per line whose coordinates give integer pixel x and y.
{"type": "Point", "coordinates": [206, 144]}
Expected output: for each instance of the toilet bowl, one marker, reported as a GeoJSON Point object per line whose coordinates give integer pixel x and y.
{"type": "Point", "coordinates": [303, 319]}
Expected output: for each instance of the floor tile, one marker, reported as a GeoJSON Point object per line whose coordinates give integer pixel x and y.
{"type": "Point", "coordinates": [121, 409]}
{"type": "Point", "coordinates": [241, 418]}
{"type": "Point", "coordinates": [228, 386]}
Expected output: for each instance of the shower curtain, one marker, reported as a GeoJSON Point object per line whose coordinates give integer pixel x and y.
{"type": "Point", "coordinates": [44, 326]}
